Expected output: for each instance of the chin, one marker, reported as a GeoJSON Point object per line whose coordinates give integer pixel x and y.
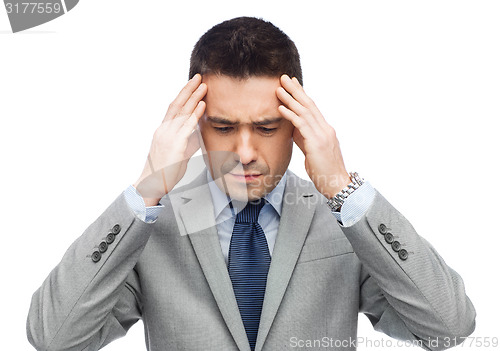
{"type": "Point", "coordinates": [254, 195]}
{"type": "Point", "coordinates": [241, 192]}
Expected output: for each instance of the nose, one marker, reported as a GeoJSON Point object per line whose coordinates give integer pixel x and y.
{"type": "Point", "coordinates": [246, 148]}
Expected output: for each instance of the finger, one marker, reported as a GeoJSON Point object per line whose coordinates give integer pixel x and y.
{"type": "Point", "coordinates": [290, 102]}
{"type": "Point", "coordinates": [298, 138]}
{"type": "Point", "coordinates": [190, 124]}
{"type": "Point", "coordinates": [193, 143]}
{"type": "Point", "coordinates": [183, 96]}
{"type": "Point", "coordinates": [307, 102]}
{"type": "Point", "coordinates": [295, 106]}
{"type": "Point", "coordinates": [298, 122]}
{"type": "Point", "coordinates": [193, 100]}
{"type": "Point", "coordinates": [297, 83]}
{"type": "Point", "coordinates": [297, 91]}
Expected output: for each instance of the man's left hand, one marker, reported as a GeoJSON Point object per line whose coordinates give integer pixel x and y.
{"type": "Point", "coordinates": [315, 137]}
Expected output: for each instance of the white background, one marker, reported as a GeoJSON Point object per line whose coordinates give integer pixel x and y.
{"type": "Point", "coordinates": [412, 89]}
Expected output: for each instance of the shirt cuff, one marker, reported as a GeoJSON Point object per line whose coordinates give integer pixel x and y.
{"type": "Point", "coordinates": [356, 205]}
{"type": "Point", "coordinates": [136, 203]}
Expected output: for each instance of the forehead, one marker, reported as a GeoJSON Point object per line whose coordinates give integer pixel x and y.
{"type": "Point", "coordinates": [243, 100]}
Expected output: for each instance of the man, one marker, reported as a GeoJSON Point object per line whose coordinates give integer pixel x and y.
{"type": "Point", "coordinates": [248, 256]}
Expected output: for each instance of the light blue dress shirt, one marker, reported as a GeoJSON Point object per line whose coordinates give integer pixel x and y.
{"type": "Point", "coordinates": [225, 216]}
{"type": "Point", "coordinates": [351, 211]}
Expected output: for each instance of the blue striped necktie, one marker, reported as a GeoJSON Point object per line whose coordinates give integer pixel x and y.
{"type": "Point", "coordinates": [248, 264]}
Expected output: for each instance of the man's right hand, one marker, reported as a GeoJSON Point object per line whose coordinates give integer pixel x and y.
{"type": "Point", "coordinates": [173, 143]}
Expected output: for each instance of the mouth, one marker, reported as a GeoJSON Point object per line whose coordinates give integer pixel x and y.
{"type": "Point", "coordinates": [247, 178]}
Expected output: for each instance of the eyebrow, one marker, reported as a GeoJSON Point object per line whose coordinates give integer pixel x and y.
{"type": "Point", "coordinates": [225, 121]}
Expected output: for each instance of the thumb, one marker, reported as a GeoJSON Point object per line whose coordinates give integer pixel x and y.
{"type": "Point", "coordinates": [299, 140]}
{"type": "Point", "coordinates": [193, 144]}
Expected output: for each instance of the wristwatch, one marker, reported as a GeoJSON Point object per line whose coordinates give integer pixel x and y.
{"type": "Point", "coordinates": [338, 200]}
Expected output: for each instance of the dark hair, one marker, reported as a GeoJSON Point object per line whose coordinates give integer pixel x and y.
{"type": "Point", "coordinates": [243, 47]}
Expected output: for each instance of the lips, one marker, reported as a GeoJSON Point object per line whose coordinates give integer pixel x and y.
{"type": "Point", "coordinates": [246, 177]}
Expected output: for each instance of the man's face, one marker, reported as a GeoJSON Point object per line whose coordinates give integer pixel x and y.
{"type": "Point", "coordinates": [248, 143]}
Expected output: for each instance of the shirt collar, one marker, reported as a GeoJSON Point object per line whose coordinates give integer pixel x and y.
{"type": "Point", "coordinates": [221, 200]}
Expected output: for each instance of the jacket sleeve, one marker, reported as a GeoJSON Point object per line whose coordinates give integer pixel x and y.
{"type": "Point", "coordinates": [93, 295]}
{"type": "Point", "coordinates": [407, 290]}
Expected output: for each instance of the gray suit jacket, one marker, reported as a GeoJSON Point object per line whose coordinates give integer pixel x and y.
{"type": "Point", "coordinates": [172, 275]}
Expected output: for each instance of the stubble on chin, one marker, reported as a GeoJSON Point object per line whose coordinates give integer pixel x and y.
{"type": "Point", "coordinates": [247, 192]}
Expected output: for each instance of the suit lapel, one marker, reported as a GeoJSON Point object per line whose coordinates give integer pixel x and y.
{"type": "Point", "coordinates": [197, 215]}
{"type": "Point", "coordinates": [299, 204]}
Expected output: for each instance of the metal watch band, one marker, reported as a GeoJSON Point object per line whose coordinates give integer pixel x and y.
{"type": "Point", "coordinates": [338, 200]}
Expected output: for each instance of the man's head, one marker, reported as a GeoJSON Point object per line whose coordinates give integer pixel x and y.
{"type": "Point", "coordinates": [248, 143]}
{"type": "Point", "coordinates": [245, 47]}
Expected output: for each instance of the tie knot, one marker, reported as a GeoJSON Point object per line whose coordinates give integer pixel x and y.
{"type": "Point", "coordinates": [250, 213]}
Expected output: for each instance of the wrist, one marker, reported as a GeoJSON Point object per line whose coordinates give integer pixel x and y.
{"type": "Point", "coordinates": [151, 202]}
{"type": "Point", "coordinates": [151, 188]}
{"type": "Point", "coordinates": [335, 185]}
{"type": "Point", "coordinates": [336, 202]}
{"type": "Point", "coordinates": [148, 201]}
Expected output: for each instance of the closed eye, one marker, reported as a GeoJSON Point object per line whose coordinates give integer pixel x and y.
{"type": "Point", "coordinates": [267, 130]}
{"type": "Point", "coordinates": [223, 129]}
{"type": "Point", "coordinates": [263, 130]}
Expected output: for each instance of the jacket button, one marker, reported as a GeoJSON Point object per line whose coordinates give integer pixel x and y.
{"type": "Point", "coordinates": [396, 246]}
{"type": "Point", "coordinates": [403, 254]}
{"type": "Point", "coordinates": [389, 238]}
{"type": "Point", "coordinates": [116, 229]}
{"type": "Point", "coordinates": [382, 228]}
{"type": "Point", "coordinates": [103, 246]}
{"type": "Point", "coordinates": [96, 256]}
{"type": "Point", "coordinates": [110, 238]}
